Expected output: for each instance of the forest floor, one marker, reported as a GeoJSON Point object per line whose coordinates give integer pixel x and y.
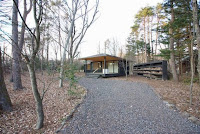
{"type": "Point", "coordinates": [174, 93]}
{"type": "Point", "coordinates": [57, 105]}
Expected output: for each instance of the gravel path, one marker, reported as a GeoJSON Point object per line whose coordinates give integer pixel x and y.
{"type": "Point", "coordinates": [121, 107]}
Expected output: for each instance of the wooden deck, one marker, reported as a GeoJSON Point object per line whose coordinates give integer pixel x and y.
{"type": "Point", "coordinates": [101, 75]}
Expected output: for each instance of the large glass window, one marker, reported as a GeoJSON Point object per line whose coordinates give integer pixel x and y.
{"type": "Point", "coordinates": [110, 68]}
{"type": "Point", "coordinates": [116, 67]}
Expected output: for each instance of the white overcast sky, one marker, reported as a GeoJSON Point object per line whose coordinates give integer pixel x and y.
{"type": "Point", "coordinates": [115, 19]}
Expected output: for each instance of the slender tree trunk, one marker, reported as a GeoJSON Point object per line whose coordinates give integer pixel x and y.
{"type": "Point", "coordinates": [145, 45]}
{"type": "Point", "coordinates": [151, 41]}
{"type": "Point", "coordinates": [47, 52]}
{"type": "Point", "coordinates": [191, 67]}
{"type": "Point", "coordinates": [196, 24]}
{"type": "Point", "coordinates": [171, 43]}
{"type": "Point", "coordinates": [31, 62]}
{"type": "Point", "coordinates": [39, 105]}
{"type": "Point", "coordinates": [179, 58]}
{"type": "Point", "coordinates": [43, 42]}
{"type": "Point", "coordinates": [65, 47]}
{"type": "Point", "coordinates": [71, 57]}
{"type": "Point", "coordinates": [5, 102]}
{"type": "Point", "coordinates": [48, 38]}
{"type": "Point", "coordinates": [3, 58]}
{"type": "Point", "coordinates": [59, 33]}
{"type": "Point", "coordinates": [156, 38]}
{"type": "Point", "coordinates": [16, 72]}
{"type": "Point", "coordinates": [148, 39]}
{"type": "Point", "coordinates": [26, 12]}
{"type": "Point", "coordinates": [56, 54]}
{"type": "Point", "coordinates": [41, 60]}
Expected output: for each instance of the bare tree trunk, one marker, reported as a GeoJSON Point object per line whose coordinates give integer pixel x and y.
{"type": "Point", "coordinates": [59, 33]}
{"type": "Point", "coordinates": [66, 44]}
{"type": "Point", "coordinates": [156, 40]}
{"type": "Point", "coordinates": [31, 62]}
{"type": "Point", "coordinates": [148, 38]}
{"type": "Point", "coordinates": [71, 58]}
{"type": "Point", "coordinates": [16, 72]}
{"type": "Point", "coordinates": [48, 38]}
{"type": "Point", "coordinates": [151, 41]}
{"type": "Point", "coordinates": [171, 41]}
{"type": "Point", "coordinates": [196, 24]}
{"type": "Point", "coordinates": [192, 69]}
{"type": "Point", "coordinates": [39, 105]}
{"type": "Point", "coordinates": [157, 32]}
{"type": "Point", "coordinates": [56, 57]}
{"type": "Point", "coordinates": [3, 58]}
{"type": "Point", "coordinates": [47, 52]}
{"type": "Point", "coordinates": [26, 12]}
{"type": "Point", "coordinates": [5, 102]}
{"type": "Point", "coordinates": [56, 53]}
{"type": "Point", "coordinates": [42, 59]}
{"type": "Point", "coordinates": [179, 58]}
{"type": "Point", "coordinates": [145, 45]}
{"type": "Point", "coordinates": [43, 42]}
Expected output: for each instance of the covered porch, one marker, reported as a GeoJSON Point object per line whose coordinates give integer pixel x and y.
{"type": "Point", "coordinates": [103, 65]}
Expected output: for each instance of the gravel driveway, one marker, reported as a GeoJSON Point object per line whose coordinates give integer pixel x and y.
{"type": "Point", "coordinates": [121, 107]}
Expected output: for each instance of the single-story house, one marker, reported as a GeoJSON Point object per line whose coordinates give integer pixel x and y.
{"type": "Point", "coordinates": [105, 65]}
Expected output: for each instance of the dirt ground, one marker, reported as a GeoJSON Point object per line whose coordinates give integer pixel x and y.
{"type": "Point", "coordinates": [57, 104]}
{"type": "Point", "coordinates": [172, 92]}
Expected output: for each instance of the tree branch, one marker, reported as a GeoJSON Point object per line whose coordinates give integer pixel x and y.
{"type": "Point", "coordinates": [23, 20]}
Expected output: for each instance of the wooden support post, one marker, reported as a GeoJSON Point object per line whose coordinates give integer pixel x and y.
{"type": "Point", "coordinates": [104, 62]}
{"type": "Point", "coordinates": [85, 66]}
{"type": "Point", "coordinates": [104, 65]}
{"type": "Point", "coordinates": [113, 67]}
{"type": "Point", "coordinates": [91, 67]}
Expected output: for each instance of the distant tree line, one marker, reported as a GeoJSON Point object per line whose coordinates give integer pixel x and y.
{"type": "Point", "coordinates": [167, 31]}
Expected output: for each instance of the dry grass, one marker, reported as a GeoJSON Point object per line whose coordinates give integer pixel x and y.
{"type": "Point", "coordinates": [175, 93]}
{"type": "Point", "coordinates": [57, 104]}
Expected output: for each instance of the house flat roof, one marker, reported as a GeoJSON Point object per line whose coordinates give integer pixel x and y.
{"type": "Point", "coordinates": [100, 57]}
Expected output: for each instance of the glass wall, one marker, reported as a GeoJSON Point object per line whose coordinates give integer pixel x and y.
{"type": "Point", "coordinates": [116, 70]}
{"type": "Point", "coordinates": [112, 67]}
{"type": "Point", "coordinates": [97, 67]}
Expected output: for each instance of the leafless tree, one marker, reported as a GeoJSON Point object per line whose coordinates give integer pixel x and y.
{"type": "Point", "coordinates": [30, 60]}
{"type": "Point", "coordinates": [37, 11]}
{"type": "Point", "coordinates": [106, 45]}
{"type": "Point", "coordinates": [111, 46]}
{"type": "Point", "coordinates": [17, 45]}
{"type": "Point", "coordinates": [16, 73]}
{"type": "Point", "coordinates": [80, 17]}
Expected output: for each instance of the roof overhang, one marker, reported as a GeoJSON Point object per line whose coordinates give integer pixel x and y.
{"type": "Point", "coordinates": [101, 57]}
